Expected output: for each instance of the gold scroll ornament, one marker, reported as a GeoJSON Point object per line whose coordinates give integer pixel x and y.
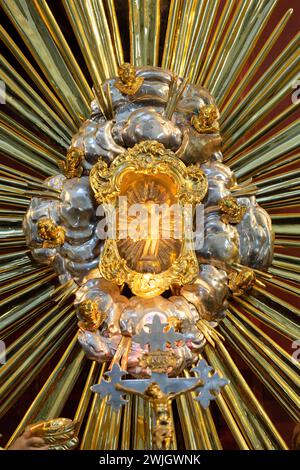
{"type": "Point", "coordinates": [148, 174]}
{"type": "Point", "coordinates": [58, 433]}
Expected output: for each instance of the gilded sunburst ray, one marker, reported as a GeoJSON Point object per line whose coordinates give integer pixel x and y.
{"type": "Point", "coordinates": [58, 57]}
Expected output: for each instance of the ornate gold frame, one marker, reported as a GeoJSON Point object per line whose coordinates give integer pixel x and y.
{"type": "Point", "coordinates": [149, 158]}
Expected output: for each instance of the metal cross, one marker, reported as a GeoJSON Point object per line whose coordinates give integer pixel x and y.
{"type": "Point", "coordinates": [157, 337]}
{"type": "Point", "coordinates": [105, 388]}
{"type": "Point", "coordinates": [211, 383]}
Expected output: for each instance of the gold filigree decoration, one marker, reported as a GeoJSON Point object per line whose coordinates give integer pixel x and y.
{"type": "Point", "coordinates": [207, 120]}
{"type": "Point", "coordinates": [89, 315]}
{"type": "Point", "coordinates": [114, 268]}
{"type": "Point", "coordinates": [72, 167]}
{"type": "Point", "coordinates": [57, 433]}
{"type": "Point", "coordinates": [128, 82]}
{"type": "Point", "coordinates": [232, 211]}
{"type": "Point", "coordinates": [149, 159]}
{"type": "Point", "coordinates": [240, 282]}
{"type": "Point", "coordinates": [159, 361]}
{"type": "Point", "coordinates": [52, 235]}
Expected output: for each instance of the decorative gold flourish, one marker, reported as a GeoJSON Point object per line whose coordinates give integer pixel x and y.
{"type": "Point", "coordinates": [150, 158]}
{"type": "Point", "coordinates": [114, 268]}
{"type": "Point", "coordinates": [195, 186]}
{"type": "Point", "coordinates": [128, 82]}
{"type": "Point", "coordinates": [52, 235]}
{"type": "Point", "coordinates": [207, 120]}
{"type": "Point", "coordinates": [159, 361]}
{"type": "Point", "coordinates": [72, 167]}
{"type": "Point", "coordinates": [232, 211]}
{"type": "Point", "coordinates": [186, 185]}
{"type": "Point", "coordinates": [58, 433]}
{"type": "Point", "coordinates": [89, 315]}
{"type": "Point", "coordinates": [239, 282]}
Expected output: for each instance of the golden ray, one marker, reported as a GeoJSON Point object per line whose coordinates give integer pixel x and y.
{"type": "Point", "coordinates": [96, 405]}
{"type": "Point", "coordinates": [40, 83]}
{"type": "Point", "coordinates": [56, 390]}
{"type": "Point", "coordinates": [253, 351]}
{"type": "Point", "coordinates": [283, 71]}
{"type": "Point", "coordinates": [211, 44]}
{"type": "Point", "coordinates": [28, 355]}
{"type": "Point", "coordinates": [269, 316]}
{"type": "Point", "coordinates": [144, 21]}
{"type": "Point", "coordinates": [233, 30]}
{"type": "Point", "coordinates": [254, 67]}
{"type": "Point", "coordinates": [214, 44]}
{"type": "Point", "coordinates": [265, 435]}
{"type": "Point", "coordinates": [281, 143]}
{"type": "Point", "coordinates": [233, 155]}
{"type": "Point", "coordinates": [37, 38]}
{"type": "Point", "coordinates": [90, 26]}
{"type": "Point", "coordinates": [244, 42]}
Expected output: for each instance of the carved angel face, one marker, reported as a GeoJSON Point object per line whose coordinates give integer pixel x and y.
{"type": "Point", "coordinates": [127, 73]}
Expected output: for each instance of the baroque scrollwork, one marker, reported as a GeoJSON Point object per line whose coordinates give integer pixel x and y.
{"type": "Point", "coordinates": [149, 158]}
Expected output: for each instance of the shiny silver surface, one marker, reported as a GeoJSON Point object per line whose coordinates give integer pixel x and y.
{"type": "Point", "coordinates": [256, 235]}
{"type": "Point", "coordinates": [208, 293]}
{"type": "Point", "coordinates": [75, 211]}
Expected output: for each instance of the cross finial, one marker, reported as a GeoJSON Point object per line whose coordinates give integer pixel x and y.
{"type": "Point", "coordinates": [157, 336]}
{"type": "Point", "coordinates": [105, 388]}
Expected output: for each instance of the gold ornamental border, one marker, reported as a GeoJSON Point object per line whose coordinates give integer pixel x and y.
{"type": "Point", "coordinates": [148, 158]}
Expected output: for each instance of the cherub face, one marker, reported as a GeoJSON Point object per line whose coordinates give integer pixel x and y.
{"type": "Point", "coordinates": [88, 310]}
{"type": "Point", "coordinates": [209, 112]}
{"type": "Point", "coordinates": [127, 73]}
